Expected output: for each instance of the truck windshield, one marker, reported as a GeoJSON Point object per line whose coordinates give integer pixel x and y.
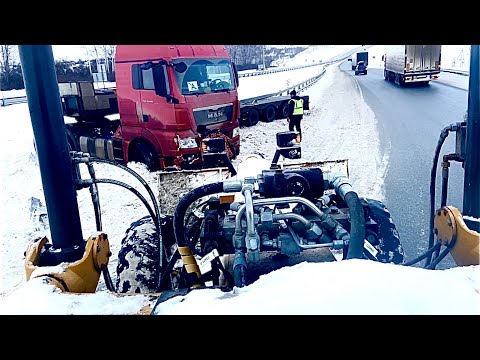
{"type": "Point", "coordinates": [204, 76]}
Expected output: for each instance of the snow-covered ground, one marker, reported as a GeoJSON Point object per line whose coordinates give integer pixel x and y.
{"type": "Point", "coordinates": [376, 288]}
{"type": "Point", "coordinates": [314, 54]}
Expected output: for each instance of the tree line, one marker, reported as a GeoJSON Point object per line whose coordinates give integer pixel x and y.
{"type": "Point", "coordinates": [245, 57]}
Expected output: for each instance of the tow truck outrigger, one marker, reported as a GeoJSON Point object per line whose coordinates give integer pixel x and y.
{"type": "Point", "coordinates": [287, 210]}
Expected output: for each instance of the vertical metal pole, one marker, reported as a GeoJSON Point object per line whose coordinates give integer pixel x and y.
{"type": "Point", "coordinates": [471, 190]}
{"type": "Point", "coordinates": [46, 115]}
{"type": "Point", "coordinates": [263, 56]}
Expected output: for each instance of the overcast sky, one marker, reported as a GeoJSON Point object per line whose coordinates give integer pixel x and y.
{"type": "Point", "coordinates": [70, 52]}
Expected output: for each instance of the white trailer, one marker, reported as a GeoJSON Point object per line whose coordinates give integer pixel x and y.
{"type": "Point", "coordinates": [412, 63]}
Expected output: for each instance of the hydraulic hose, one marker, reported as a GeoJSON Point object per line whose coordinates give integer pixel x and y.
{"type": "Point", "coordinates": [437, 260]}
{"type": "Point", "coordinates": [433, 175]}
{"type": "Point", "coordinates": [80, 157]}
{"type": "Point", "coordinates": [137, 176]}
{"type": "Point", "coordinates": [357, 230]}
{"type": "Point", "coordinates": [182, 207]}
{"type": "Point", "coordinates": [95, 198]}
{"type": "Point", "coordinates": [423, 256]}
{"type": "Point", "coordinates": [150, 211]}
{"type": "Point", "coordinates": [344, 189]}
{"type": "Point", "coordinates": [137, 193]}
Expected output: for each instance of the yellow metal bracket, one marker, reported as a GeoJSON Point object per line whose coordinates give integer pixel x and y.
{"type": "Point", "coordinates": [81, 276]}
{"type": "Point", "coordinates": [450, 227]}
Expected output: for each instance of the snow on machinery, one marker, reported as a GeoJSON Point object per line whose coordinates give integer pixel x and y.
{"type": "Point", "coordinates": [227, 231]}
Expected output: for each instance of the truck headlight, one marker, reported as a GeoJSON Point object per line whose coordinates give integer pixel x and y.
{"type": "Point", "coordinates": [187, 143]}
{"type": "Point", "coordinates": [236, 132]}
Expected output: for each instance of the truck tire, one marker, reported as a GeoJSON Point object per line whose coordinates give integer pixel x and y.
{"type": "Point", "coordinates": [73, 144]}
{"type": "Point", "coordinates": [283, 111]}
{"type": "Point", "coordinates": [269, 113]}
{"type": "Point", "coordinates": [138, 268]}
{"type": "Point", "coordinates": [146, 154]}
{"type": "Point", "coordinates": [389, 247]}
{"type": "Point", "coordinates": [253, 117]}
{"type": "Point", "coordinates": [385, 75]}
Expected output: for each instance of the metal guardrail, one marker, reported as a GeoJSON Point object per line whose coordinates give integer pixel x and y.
{"type": "Point", "coordinates": [298, 87]}
{"type": "Point", "coordinates": [276, 70]}
{"type": "Point", "coordinates": [455, 71]}
{"type": "Point", "coordinates": [12, 100]}
{"type": "Point", "coordinates": [301, 86]}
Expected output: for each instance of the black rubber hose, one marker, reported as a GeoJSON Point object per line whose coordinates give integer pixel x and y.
{"type": "Point", "coordinates": [357, 230]}
{"type": "Point", "coordinates": [182, 207]}
{"type": "Point", "coordinates": [150, 211]}
{"type": "Point", "coordinates": [423, 256]}
{"type": "Point", "coordinates": [137, 176]}
{"type": "Point", "coordinates": [95, 198]}
{"type": "Point", "coordinates": [137, 193]}
{"type": "Point", "coordinates": [433, 176]}
{"type": "Point", "coordinates": [435, 262]}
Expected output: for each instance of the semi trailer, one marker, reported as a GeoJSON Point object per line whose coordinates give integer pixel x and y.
{"type": "Point", "coordinates": [412, 63]}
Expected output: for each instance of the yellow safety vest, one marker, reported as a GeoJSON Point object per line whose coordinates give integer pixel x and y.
{"type": "Point", "coordinates": [298, 109]}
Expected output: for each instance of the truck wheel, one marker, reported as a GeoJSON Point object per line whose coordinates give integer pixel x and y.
{"type": "Point", "coordinates": [73, 144]}
{"type": "Point", "coordinates": [146, 154]}
{"type": "Point", "coordinates": [283, 111]}
{"type": "Point", "coordinates": [253, 117]}
{"type": "Point", "coordinates": [389, 248]}
{"type": "Point", "coordinates": [138, 268]}
{"type": "Point", "coordinates": [385, 74]}
{"type": "Point", "coordinates": [269, 113]}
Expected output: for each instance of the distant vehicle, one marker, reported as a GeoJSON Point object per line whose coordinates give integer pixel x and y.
{"type": "Point", "coordinates": [412, 63]}
{"type": "Point", "coordinates": [361, 68]}
{"type": "Point", "coordinates": [359, 56]}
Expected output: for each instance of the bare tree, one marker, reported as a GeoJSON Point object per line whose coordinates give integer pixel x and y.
{"type": "Point", "coordinates": [8, 54]}
{"type": "Point", "coordinates": [245, 54]}
{"type": "Point", "coordinates": [104, 52]}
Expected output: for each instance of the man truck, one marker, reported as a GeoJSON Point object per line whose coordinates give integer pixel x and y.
{"type": "Point", "coordinates": [163, 95]}
{"type": "Point", "coordinates": [412, 63]}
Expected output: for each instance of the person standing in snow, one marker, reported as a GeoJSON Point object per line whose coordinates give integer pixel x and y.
{"type": "Point", "coordinates": [295, 112]}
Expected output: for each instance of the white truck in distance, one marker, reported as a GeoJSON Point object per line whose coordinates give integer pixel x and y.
{"type": "Point", "coordinates": [411, 63]}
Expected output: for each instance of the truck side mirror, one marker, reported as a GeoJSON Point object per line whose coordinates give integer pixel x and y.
{"type": "Point", "coordinates": [235, 72]}
{"type": "Point", "coordinates": [180, 67]}
{"type": "Point", "coordinates": [146, 66]}
{"type": "Point", "coordinates": [160, 79]}
{"type": "Point", "coordinates": [383, 57]}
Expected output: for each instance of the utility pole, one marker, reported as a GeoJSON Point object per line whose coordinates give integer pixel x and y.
{"type": "Point", "coordinates": [263, 56]}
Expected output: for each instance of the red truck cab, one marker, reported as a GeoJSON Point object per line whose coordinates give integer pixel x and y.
{"type": "Point", "coordinates": [165, 93]}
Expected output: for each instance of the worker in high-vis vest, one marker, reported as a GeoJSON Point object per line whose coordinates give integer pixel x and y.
{"type": "Point", "coordinates": [295, 112]}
